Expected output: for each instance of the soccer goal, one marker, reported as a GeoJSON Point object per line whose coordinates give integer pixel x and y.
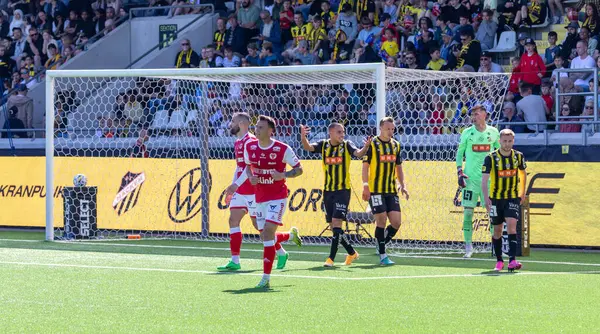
{"type": "Point", "coordinates": [157, 153]}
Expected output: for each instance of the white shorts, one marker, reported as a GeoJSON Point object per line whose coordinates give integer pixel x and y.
{"type": "Point", "coordinates": [271, 211]}
{"type": "Point", "coordinates": [245, 202]}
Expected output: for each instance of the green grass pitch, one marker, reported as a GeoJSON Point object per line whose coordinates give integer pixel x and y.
{"type": "Point", "coordinates": [172, 287]}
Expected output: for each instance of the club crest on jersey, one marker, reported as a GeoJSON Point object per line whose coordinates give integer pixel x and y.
{"type": "Point", "coordinates": [273, 155]}
{"type": "Point", "coordinates": [276, 149]}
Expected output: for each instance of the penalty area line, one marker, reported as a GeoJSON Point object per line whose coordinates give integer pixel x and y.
{"type": "Point", "coordinates": [225, 249]}
{"type": "Point", "coordinates": [335, 278]}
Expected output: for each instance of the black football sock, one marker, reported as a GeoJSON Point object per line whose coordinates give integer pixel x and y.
{"type": "Point", "coordinates": [390, 232]}
{"type": "Point", "coordinates": [344, 241]}
{"type": "Point", "coordinates": [497, 248]}
{"type": "Point", "coordinates": [512, 246]}
{"type": "Point", "coordinates": [380, 236]}
{"type": "Point", "coordinates": [335, 240]}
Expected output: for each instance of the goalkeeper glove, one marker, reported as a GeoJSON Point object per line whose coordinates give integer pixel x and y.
{"type": "Point", "coordinates": [462, 178]}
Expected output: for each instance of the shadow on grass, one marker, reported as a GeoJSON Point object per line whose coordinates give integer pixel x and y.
{"type": "Point", "coordinates": [323, 268]}
{"type": "Point", "coordinates": [257, 290]}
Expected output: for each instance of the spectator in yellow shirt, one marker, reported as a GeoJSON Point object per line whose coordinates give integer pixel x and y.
{"type": "Point", "coordinates": [436, 63]}
{"type": "Point", "coordinates": [390, 44]}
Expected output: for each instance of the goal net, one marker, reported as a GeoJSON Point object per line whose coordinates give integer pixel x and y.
{"type": "Point", "coordinates": [157, 152]}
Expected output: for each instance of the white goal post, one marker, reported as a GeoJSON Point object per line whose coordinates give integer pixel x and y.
{"type": "Point", "coordinates": [155, 144]}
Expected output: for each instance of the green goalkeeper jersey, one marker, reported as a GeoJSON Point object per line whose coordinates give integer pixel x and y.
{"type": "Point", "coordinates": [474, 147]}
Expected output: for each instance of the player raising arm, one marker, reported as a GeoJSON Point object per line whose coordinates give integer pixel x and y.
{"type": "Point", "coordinates": [382, 165]}
{"type": "Point", "coordinates": [242, 195]}
{"type": "Point", "coordinates": [476, 142]}
{"type": "Point", "coordinates": [336, 155]}
{"type": "Point", "coordinates": [506, 170]}
{"type": "Point", "coordinates": [267, 160]}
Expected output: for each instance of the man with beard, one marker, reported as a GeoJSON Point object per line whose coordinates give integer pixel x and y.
{"type": "Point", "coordinates": [241, 199]}
{"type": "Point", "coordinates": [248, 17]}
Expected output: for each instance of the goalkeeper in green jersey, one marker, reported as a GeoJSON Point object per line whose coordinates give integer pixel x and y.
{"type": "Point", "coordinates": [476, 142]}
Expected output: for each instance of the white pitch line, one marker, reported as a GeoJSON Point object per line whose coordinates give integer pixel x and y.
{"type": "Point", "coordinates": [433, 257]}
{"type": "Point", "coordinates": [81, 266]}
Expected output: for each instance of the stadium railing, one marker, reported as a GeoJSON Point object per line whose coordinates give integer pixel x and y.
{"type": "Point", "coordinates": [559, 94]}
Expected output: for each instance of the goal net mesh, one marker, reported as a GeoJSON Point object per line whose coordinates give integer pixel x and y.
{"type": "Point", "coordinates": [160, 153]}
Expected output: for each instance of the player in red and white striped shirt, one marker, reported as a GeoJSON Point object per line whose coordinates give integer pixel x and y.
{"type": "Point", "coordinates": [267, 160]}
{"type": "Point", "coordinates": [241, 197]}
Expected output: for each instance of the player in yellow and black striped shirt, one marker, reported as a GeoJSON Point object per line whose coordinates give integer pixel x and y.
{"type": "Point", "coordinates": [336, 155]}
{"type": "Point", "coordinates": [382, 166]}
{"type": "Point", "coordinates": [505, 168]}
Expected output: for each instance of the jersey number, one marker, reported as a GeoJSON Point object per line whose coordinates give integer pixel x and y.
{"type": "Point", "coordinates": [468, 195]}
{"type": "Point", "coordinates": [376, 200]}
{"type": "Point", "coordinates": [493, 212]}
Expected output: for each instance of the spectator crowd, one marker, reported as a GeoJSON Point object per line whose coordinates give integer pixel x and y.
{"type": "Point", "coordinates": [447, 35]}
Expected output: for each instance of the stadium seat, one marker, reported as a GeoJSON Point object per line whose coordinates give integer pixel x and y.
{"type": "Point", "coordinates": [543, 24]}
{"type": "Point", "coordinates": [177, 120]}
{"type": "Point", "coordinates": [506, 43]}
{"type": "Point", "coordinates": [161, 119]}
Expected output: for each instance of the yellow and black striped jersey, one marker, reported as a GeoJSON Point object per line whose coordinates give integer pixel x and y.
{"type": "Point", "coordinates": [336, 163]}
{"type": "Point", "coordinates": [219, 40]}
{"type": "Point", "coordinates": [382, 158]}
{"type": "Point", "coordinates": [504, 173]}
{"type": "Point", "coordinates": [301, 33]}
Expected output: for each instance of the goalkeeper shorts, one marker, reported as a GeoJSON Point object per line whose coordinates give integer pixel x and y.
{"type": "Point", "coordinates": [471, 194]}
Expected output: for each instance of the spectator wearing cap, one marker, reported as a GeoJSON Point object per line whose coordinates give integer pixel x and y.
{"type": "Point", "coordinates": [570, 42]}
{"type": "Point", "coordinates": [13, 123]}
{"type": "Point", "coordinates": [24, 105]}
{"type": "Point", "coordinates": [486, 33]}
{"type": "Point", "coordinates": [583, 60]}
{"type": "Point", "coordinates": [487, 65]}
{"type": "Point", "coordinates": [469, 53]}
{"type": "Point", "coordinates": [187, 57]}
{"type": "Point", "coordinates": [532, 66]}
{"type": "Point", "coordinates": [270, 31]}
{"type": "Point", "coordinates": [234, 36]}
{"type": "Point", "coordinates": [447, 44]}
{"type": "Point", "coordinates": [532, 107]}
{"type": "Point", "coordinates": [301, 53]}
{"type": "Point", "coordinates": [510, 116]}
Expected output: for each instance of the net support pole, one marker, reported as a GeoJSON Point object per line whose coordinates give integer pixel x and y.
{"type": "Point", "coordinates": [203, 125]}
{"type": "Point", "coordinates": [380, 93]}
{"type": "Point", "coordinates": [49, 157]}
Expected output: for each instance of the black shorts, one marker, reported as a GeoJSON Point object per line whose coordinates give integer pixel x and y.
{"type": "Point", "coordinates": [336, 204]}
{"type": "Point", "coordinates": [383, 203]}
{"type": "Point", "coordinates": [504, 208]}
